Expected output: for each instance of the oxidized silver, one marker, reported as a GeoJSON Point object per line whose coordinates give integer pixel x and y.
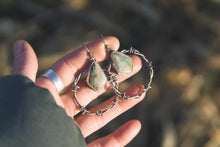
{"type": "Point", "coordinates": [50, 74]}
{"type": "Point", "coordinates": [121, 69]}
{"type": "Point", "coordinates": [96, 79]}
{"type": "Point", "coordinates": [83, 108]}
{"type": "Point", "coordinates": [113, 78]}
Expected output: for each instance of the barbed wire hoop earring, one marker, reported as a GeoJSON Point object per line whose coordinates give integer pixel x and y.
{"type": "Point", "coordinates": [96, 80]}
{"type": "Point", "coordinates": [113, 78]}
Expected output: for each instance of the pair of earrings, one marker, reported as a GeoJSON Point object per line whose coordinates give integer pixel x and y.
{"type": "Point", "coordinates": [96, 78]}
{"type": "Point", "coordinates": [121, 63]}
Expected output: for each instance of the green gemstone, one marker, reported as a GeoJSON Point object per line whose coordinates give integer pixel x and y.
{"type": "Point", "coordinates": [96, 78]}
{"type": "Point", "coordinates": [122, 63]}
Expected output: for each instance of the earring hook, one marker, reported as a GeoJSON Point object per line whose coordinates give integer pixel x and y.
{"type": "Point", "coordinates": [90, 54]}
{"type": "Point", "coordinates": [106, 45]}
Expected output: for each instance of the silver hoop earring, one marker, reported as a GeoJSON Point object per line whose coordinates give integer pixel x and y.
{"type": "Point", "coordinates": [96, 80]}
{"type": "Point", "coordinates": [113, 78]}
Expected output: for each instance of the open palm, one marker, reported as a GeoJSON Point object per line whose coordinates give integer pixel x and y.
{"type": "Point", "coordinates": [67, 68]}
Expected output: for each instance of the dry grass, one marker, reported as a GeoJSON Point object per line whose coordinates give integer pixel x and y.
{"type": "Point", "coordinates": [180, 37]}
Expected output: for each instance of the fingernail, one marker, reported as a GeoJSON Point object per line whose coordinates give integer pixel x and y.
{"type": "Point", "coordinates": [140, 89]}
{"type": "Point", "coordinates": [19, 47]}
{"type": "Point", "coordinates": [136, 90]}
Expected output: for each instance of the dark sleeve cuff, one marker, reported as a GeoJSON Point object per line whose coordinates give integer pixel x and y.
{"type": "Point", "coordinates": [30, 117]}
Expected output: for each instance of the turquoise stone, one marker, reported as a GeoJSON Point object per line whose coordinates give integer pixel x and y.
{"type": "Point", "coordinates": [122, 63]}
{"type": "Point", "coordinates": [96, 78]}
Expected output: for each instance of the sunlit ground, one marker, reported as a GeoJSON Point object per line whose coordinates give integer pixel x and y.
{"type": "Point", "coordinates": [182, 38]}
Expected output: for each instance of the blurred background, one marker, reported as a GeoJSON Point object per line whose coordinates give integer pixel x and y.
{"type": "Point", "coordinates": [181, 38]}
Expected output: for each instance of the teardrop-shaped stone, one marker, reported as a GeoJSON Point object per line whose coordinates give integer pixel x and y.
{"type": "Point", "coordinates": [96, 78]}
{"type": "Point", "coordinates": [122, 63]}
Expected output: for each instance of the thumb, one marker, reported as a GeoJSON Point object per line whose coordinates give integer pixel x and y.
{"type": "Point", "coordinates": [25, 60]}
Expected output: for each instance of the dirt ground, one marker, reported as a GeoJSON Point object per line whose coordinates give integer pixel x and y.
{"type": "Point", "coordinates": [181, 38]}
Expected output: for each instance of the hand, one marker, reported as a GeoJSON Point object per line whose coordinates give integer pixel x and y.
{"type": "Point", "coordinates": [67, 68]}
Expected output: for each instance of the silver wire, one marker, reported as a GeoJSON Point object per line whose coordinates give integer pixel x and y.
{"type": "Point", "coordinates": [106, 45]}
{"type": "Point", "coordinates": [113, 81]}
{"type": "Point", "coordinates": [84, 110]}
{"type": "Point", "coordinates": [89, 53]}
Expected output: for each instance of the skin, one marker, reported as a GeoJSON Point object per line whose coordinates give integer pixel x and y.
{"type": "Point", "coordinates": [67, 68]}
